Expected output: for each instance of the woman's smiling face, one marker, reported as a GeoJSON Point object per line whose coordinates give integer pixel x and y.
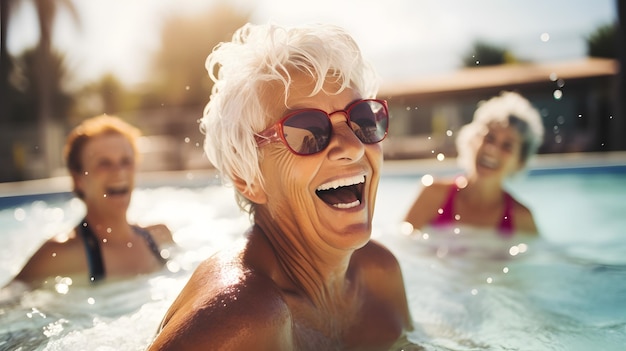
{"type": "Point", "coordinates": [331, 193]}
{"type": "Point", "coordinates": [499, 151]}
{"type": "Point", "coordinates": [108, 171]}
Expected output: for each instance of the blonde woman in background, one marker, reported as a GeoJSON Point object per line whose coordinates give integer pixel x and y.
{"type": "Point", "coordinates": [101, 156]}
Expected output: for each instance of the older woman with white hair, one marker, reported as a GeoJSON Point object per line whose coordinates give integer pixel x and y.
{"type": "Point", "coordinates": [505, 133]}
{"type": "Point", "coordinates": [294, 126]}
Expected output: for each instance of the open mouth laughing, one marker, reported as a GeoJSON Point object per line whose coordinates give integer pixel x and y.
{"type": "Point", "coordinates": [343, 193]}
{"type": "Point", "coordinates": [488, 162]}
{"type": "Point", "coordinates": [117, 190]}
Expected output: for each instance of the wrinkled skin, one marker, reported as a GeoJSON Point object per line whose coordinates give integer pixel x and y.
{"type": "Point", "coordinates": [307, 277]}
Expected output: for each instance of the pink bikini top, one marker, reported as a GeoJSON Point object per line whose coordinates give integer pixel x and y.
{"type": "Point", "coordinates": [446, 217]}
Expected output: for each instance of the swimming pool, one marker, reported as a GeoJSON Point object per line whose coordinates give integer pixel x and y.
{"type": "Point", "coordinates": [563, 291]}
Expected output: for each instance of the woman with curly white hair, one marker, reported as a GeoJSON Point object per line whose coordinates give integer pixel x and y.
{"type": "Point", "coordinates": [293, 125]}
{"type": "Point", "coordinates": [505, 133]}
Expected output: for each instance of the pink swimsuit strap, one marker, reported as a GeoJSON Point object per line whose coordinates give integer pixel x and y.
{"type": "Point", "coordinates": [506, 225]}
{"type": "Point", "coordinates": [446, 214]}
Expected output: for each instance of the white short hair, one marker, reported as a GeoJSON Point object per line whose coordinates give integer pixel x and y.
{"type": "Point", "coordinates": [507, 109]}
{"type": "Point", "coordinates": [242, 68]}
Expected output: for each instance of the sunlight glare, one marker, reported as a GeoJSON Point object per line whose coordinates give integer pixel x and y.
{"type": "Point", "coordinates": [427, 180]}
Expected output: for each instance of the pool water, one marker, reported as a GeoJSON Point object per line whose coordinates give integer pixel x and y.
{"type": "Point", "coordinates": [467, 289]}
{"type": "Point", "coordinates": [564, 290]}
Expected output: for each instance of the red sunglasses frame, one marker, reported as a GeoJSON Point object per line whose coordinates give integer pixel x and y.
{"type": "Point", "coordinates": [275, 133]}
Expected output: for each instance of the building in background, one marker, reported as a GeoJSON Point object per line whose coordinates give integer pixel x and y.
{"type": "Point", "coordinates": [578, 102]}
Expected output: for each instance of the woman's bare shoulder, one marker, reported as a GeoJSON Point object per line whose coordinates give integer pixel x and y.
{"type": "Point", "coordinates": [427, 202]}
{"type": "Point", "coordinates": [225, 306]}
{"type": "Point", "coordinates": [524, 219]}
{"type": "Point", "coordinates": [59, 255]}
{"type": "Point", "coordinates": [161, 234]}
{"type": "Point", "coordinates": [376, 255]}
{"type": "Point", "coordinates": [442, 184]}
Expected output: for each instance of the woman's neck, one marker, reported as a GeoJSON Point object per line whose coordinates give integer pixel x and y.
{"type": "Point", "coordinates": [320, 274]}
{"type": "Point", "coordinates": [110, 227]}
{"type": "Point", "coordinates": [484, 190]}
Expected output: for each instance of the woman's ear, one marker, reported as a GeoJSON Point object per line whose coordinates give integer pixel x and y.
{"type": "Point", "coordinates": [253, 192]}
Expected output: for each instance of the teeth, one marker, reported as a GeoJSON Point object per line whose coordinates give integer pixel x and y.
{"type": "Point", "coordinates": [350, 205]}
{"type": "Point", "coordinates": [488, 161]}
{"type": "Point", "coordinates": [342, 182]}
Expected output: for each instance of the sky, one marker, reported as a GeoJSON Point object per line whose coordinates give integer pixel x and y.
{"type": "Point", "coordinates": [404, 39]}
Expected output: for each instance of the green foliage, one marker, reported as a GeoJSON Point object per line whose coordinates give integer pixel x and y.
{"type": "Point", "coordinates": [107, 95]}
{"type": "Point", "coordinates": [485, 54]}
{"type": "Point", "coordinates": [602, 42]}
{"type": "Point", "coordinates": [178, 72]}
{"type": "Point", "coordinates": [26, 83]}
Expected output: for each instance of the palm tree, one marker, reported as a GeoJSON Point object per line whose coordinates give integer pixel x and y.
{"type": "Point", "coordinates": [5, 59]}
{"type": "Point", "coordinates": [483, 53]}
{"type": "Point", "coordinates": [46, 14]}
{"type": "Point", "coordinates": [44, 70]}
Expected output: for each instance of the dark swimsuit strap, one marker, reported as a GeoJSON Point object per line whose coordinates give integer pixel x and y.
{"type": "Point", "coordinates": [94, 254]}
{"type": "Point", "coordinates": [92, 249]}
{"type": "Point", "coordinates": [144, 233]}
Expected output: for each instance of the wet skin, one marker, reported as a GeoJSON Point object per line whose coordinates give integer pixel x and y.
{"type": "Point", "coordinates": [106, 183]}
{"type": "Point", "coordinates": [480, 202]}
{"type": "Point", "coordinates": [307, 277]}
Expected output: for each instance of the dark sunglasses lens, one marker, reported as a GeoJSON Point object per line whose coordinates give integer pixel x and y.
{"type": "Point", "coordinates": [307, 132]}
{"type": "Point", "coordinates": [369, 120]}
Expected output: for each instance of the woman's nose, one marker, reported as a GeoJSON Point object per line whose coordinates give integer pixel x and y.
{"type": "Point", "coordinates": [344, 144]}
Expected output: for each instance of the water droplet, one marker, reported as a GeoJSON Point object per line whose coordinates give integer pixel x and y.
{"type": "Point", "coordinates": [461, 182]}
{"type": "Point", "coordinates": [427, 180]}
{"type": "Point", "coordinates": [522, 247]}
{"type": "Point", "coordinates": [19, 214]}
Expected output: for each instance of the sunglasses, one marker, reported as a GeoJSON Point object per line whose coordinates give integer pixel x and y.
{"type": "Point", "coordinates": [308, 131]}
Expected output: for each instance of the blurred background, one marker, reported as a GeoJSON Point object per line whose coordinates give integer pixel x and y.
{"type": "Point", "coordinates": [143, 60]}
